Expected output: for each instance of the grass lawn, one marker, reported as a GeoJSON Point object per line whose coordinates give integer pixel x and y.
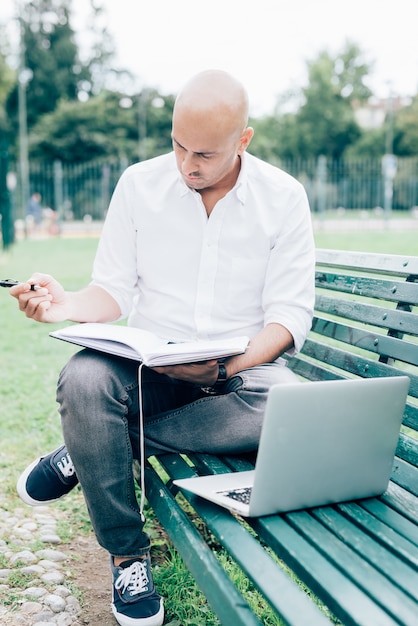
{"type": "Point", "coordinates": [386, 241]}
{"type": "Point", "coordinates": [30, 360]}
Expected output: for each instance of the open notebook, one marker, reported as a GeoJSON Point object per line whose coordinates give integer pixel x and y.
{"type": "Point", "coordinates": [321, 442]}
{"type": "Point", "coordinates": [145, 347]}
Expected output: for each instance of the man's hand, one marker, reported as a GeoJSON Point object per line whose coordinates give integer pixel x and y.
{"type": "Point", "coordinates": [46, 304]}
{"type": "Point", "coordinates": [203, 373]}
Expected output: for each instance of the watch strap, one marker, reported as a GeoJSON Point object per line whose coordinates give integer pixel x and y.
{"type": "Point", "coordinates": [222, 375]}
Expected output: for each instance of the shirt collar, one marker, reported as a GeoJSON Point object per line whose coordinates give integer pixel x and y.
{"type": "Point", "coordinates": [240, 186]}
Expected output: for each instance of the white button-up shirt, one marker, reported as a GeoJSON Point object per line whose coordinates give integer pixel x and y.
{"type": "Point", "coordinates": [183, 275]}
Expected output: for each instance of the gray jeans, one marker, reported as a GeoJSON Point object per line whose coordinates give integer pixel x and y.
{"type": "Point", "coordinates": [98, 398]}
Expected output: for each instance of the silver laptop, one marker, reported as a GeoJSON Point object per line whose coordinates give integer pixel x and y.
{"type": "Point", "coordinates": [321, 442]}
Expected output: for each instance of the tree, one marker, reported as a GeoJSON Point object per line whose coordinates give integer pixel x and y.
{"type": "Point", "coordinates": [7, 80]}
{"type": "Point", "coordinates": [49, 53]}
{"type": "Point", "coordinates": [405, 136]}
{"type": "Point", "coordinates": [107, 125]}
{"type": "Point", "coordinates": [7, 75]}
{"type": "Point", "coordinates": [322, 122]}
{"type": "Point", "coordinates": [326, 120]}
{"type": "Point", "coordinates": [371, 143]}
{"type": "Point", "coordinates": [50, 57]}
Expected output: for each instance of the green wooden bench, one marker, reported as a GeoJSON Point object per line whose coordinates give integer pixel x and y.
{"type": "Point", "coordinates": [360, 559]}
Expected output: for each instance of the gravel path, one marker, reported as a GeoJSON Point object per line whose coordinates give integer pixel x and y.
{"type": "Point", "coordinates": [34, 569]}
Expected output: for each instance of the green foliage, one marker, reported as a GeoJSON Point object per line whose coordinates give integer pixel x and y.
{"type": "Point", "coordinates": [406, 130]}
{"type": "Point", "coordinates": [50, 55]}
{"type": "Point", "coordinates": [371, 143]}
{"type": "Point", "coordinates": [325, 123]}
{"type": "Point", "coordinates": [7, 77]}
{"type": "Point", "coordinates": [76, 131]}
{"type": "Point", "coordinates": [102, 127]}
{"type": "Point", "coordinates": [7, 80]}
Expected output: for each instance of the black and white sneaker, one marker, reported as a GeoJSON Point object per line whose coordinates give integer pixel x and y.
{"type": "Point", "coordinates": [135, 600]}
{"type": "Point", "coordinates": [48, 478]}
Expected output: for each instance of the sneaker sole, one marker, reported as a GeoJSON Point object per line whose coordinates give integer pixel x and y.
{"type": "Point", "coordinates": [153, 620]}
{"type": "Point", "coordinates": [21, 488]}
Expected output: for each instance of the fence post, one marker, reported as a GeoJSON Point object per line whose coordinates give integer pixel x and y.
{"type": "Point", "coordinates": [321, 184]}
{"type": "Point", "coordinates": [389, 167]}
{"type": "Point", "coordinates": [7, 226]}
{"type": "Point", "coordinates": [58, 190]}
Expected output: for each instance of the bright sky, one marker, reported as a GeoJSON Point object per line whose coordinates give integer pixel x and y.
{"type": "Point", "coordinates": [264, 43]}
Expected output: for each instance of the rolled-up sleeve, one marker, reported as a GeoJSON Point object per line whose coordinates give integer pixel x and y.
{"type": "Point", "coordinates": [289, 292]}
{"type": "Point", "coordinates": [115, 267]}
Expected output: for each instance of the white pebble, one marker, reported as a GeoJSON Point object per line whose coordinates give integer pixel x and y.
{"type": "Point", "coordinates": [56, 603]}
{"type": "Point", "coordinates": [64, 619]}
{"type": "Point", "coordinates": [25, 557]}
{"type": "Point", "coordinates": [62, 591]}
{"type": "Point", "coordinates": [53, 578]}
{"type": "Point", "coordinates": [50, 538]}
{"type": "Point", "coordinates": [5, 573]}
{"type": "Point", "coordinates": [32, 569]}
{"type": "Point", "coordinates": [48, 565]}
{"type": "Point", "coordinates": [51, 555]}
{"type": "Point", "coordinates": [35, 592]}
{"type": "Point", "coordinates": [30, 608]}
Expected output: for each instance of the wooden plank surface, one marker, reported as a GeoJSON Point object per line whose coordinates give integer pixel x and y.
{"type": "Point", "coordinates": [390, 290]}
{"type": "Point", "coordinates": [391, 264]}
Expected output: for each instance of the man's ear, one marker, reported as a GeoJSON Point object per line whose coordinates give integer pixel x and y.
{"type": "Point", "coordinates": [245, 139]}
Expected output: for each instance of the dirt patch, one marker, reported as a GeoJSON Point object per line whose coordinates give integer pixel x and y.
{"type": "Point", "coordinates": [91, 573]}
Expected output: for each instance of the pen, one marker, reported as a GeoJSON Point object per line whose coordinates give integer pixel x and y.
{"type": "Point", "coordinates": [8, 282]}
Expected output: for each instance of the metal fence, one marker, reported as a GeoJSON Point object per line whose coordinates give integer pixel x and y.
{"type": "Point", "coordinates": [83, 191]}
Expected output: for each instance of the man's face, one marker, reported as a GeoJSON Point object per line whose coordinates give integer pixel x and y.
{"type": "Point", "coordinates": [206, 156]}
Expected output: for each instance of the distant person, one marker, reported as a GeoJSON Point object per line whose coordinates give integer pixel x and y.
{"type": "Point", "coordinates": [204, 242]}
{"type": "Point", "coordinates": [34, 211]}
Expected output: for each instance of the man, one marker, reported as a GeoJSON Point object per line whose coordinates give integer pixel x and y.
{"type": "Point", "coordinates": [205, 242]}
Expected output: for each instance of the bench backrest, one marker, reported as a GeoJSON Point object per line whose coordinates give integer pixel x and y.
{"type": "Point", "coordinates": [366, 325]}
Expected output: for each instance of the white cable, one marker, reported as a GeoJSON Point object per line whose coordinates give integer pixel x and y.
{"type": "Point", "coordinates": [141, 442]}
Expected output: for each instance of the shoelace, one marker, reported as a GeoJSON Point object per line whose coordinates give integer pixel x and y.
{"type": "Point", "coordinates": [65, 465]}
{"type": "Point", "coordinates": [133, 578]}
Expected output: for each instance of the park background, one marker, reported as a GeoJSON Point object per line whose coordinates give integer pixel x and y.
{"type": "Point", "coordinates": [326, 109]}
{"type": "Point", "coordinates": [71, 121]}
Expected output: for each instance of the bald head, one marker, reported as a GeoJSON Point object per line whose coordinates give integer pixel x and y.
{"type": "Point", "coordinates": [210, 133]}
{"type": "Point", "coordinates": [217, 95]}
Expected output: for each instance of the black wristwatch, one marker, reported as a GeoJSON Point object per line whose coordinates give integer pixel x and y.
{"type": "Point", "coordinates": [222, 375]}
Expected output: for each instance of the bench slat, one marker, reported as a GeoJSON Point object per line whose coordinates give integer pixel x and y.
{"type": "Point", "coordinates": [392, 264]}
{"type": "Point", "coordinates": [375, 570]}
{"type": "Point", "coordinates": [349, 603]}
{"type": "Point", "coordinates": [402, 501]}
{"type": "Point", "coordinates": [411, 417]}
{"type": "Point", "coordinates": [388, 537]}
{"type": "Point", "coordinates": [390, 290]}
{"type": "Point", "coordinates": [393, 319]}
{"type": "Point", "coordinates": [355, 363]}
{"type": "Point", "coordinates": [391, 518]}
{"type": "Point", "coordinates": [407, 449]}
{"type": "Point", "coordinates": [405, 475]}
{"type": "Point", "coordinates": [309, 370]}
{"type": "Point", "coordinates": [361, 338]}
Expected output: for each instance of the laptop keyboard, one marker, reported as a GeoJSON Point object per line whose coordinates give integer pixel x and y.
{"type": "Point", "coordinates": [241, 495]}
